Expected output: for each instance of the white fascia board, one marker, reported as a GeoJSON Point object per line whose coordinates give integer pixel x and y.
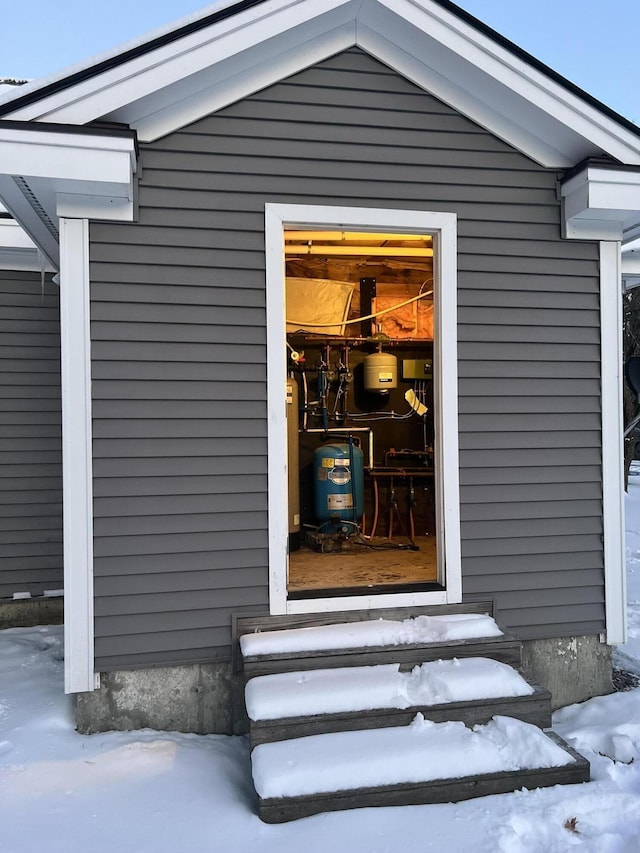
{"type": "Point", "coordinates": [591, 228]}
{"type": "Point", "coordinates": [612, 443]}
{"type": "Point", "coordinates": [230, 81]}
{"type": "Point", "coordinates": [91, 206]}
{"type": "Point", "coordinates": [433, 47]}
{"type": "Point", "coordinates": [24, 260]}
{"type": "Point", "coordinates": [112, 53]}
{"type": "Point", "coordinates": [77, 157]}
{"type": "Point", "coordinates": [454, 86]}
{"type": "Point", "coordinates": [601, 204]}
{"type": "Point", "coordinates": [145, 75]}
{"type": "Point", "coordinates": [480, 53]}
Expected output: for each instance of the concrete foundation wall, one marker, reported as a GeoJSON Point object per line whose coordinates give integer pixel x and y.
{"type": "Point", "coordinates": [23, 613]}
{"type": "Point", "coordinates": [201, 698]}
{"type": "Point", "coordinates": [572, 668]}
{"type": "Point", "coordinates": [208, 698]}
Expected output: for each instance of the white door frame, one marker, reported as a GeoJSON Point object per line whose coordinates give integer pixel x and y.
{"type": "Point", "coordinates": [443, 228]}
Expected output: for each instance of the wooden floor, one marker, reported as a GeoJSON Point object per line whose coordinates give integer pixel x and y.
{"type": "Point", "coordinates": [357, 566]}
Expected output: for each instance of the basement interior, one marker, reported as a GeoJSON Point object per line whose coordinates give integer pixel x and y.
{"type": "Point", "coordinates": [362, 448]}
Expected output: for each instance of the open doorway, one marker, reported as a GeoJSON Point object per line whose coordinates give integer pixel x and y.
{"type": "Point", "coordinates": [361, 425]}
{"type": "Point", "coordinates": [376, 234]}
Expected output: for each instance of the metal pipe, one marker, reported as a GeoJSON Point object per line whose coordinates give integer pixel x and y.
{"type": "Point", "coordinates": [346, 431]}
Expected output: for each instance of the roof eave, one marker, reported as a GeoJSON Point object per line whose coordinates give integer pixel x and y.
{"type": "Point", "coordinates": [218, 59]}
{"type": "Point", "coordinates": [51, 172]}
{"type": "Point", "coordinates": [601, 201]}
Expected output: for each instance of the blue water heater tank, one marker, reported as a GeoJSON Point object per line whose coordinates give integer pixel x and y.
{"type": "Point", "coordinates": [339, 482]}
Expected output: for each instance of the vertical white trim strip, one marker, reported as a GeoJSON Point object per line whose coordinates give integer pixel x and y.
{"type": "Point", "coordinates": [76, 455]}
{"type": "Point", "coordinates": [446, 406]}
{"type": "Point", "coordinates": [612, 442]}
{"type": "Point", "coordinates": [443, 227]}
{"type": "Point", "coordinates": [277, 414]}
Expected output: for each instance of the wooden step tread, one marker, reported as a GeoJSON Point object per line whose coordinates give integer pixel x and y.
{"type": "Point", "coordinates": [534, 708]}
{"type": "Point", "coordinates": [367, 688]}
{"type": "Point", "coordinates": [505, 648]}
{"type": "Point", "coordinates": [297, 704]}
{"type": "Point", "coordinates": [369, 633]}
{"type": "Point", "coordinates": [252, 624]}
{"type": "Point", "coordinates": [403, 789]}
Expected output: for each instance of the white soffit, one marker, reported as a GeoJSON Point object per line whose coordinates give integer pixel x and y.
{"type": "Point", "coordinates": [172, 85]}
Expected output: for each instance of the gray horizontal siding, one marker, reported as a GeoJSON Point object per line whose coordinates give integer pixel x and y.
{"type": "Point", "coordinates": [252, 556]}
{"type": "Point", "coordinates": [30, 436]}
{"type": "Point", "coordinates": [179, 359]}
{"type": "Point", "coordinates": [162, 647]}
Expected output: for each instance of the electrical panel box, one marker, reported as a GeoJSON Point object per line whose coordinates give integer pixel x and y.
{"type": "Point", "coordinates": [416, 368]}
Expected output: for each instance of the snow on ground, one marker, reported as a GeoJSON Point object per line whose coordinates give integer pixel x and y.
{"type": "Point", "coordinates": [159, 792]}
{"type": "Point", "coordinates": [628, 656]}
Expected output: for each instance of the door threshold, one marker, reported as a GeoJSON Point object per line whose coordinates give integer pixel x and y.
{"type": "Point", "coordinates": [346, 591]}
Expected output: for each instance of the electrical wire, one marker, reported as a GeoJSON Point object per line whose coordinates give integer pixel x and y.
{"type": "Point", "coordinates": [303, 323]}
{"type": "Point", "coordinates": [380, 416]}
{"type": "Point", "coordinates": [412, 546]}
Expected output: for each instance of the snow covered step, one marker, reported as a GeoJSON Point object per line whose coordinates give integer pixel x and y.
{"type": "Point", "coordinates": [297, 704]}
{"type": "Point", "coordinates": [243, 625]}
{"type": "Point", "coordinates": [367, 642]}
{"type": "Point", "coordinates": [424, 762]}
{"type": "Point", "coordinates": [370, 633]}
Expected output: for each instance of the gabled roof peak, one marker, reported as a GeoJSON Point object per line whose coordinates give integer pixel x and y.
{"type": "Point", "coordinates": [227, 52]}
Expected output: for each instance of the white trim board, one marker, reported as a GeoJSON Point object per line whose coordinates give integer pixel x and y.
{"type": "Point", "coordinates": [76, 456]}
{"type": "Point", "coordinates": [612, 443]}
{"type": "Point", "coordinates": [69, 155]}
{"type": "Point", "coordinates": [443, 227]}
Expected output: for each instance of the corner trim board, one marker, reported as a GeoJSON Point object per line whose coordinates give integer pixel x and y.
{"type": "Point", "coordinates": [612, 443]}
{"type": "Point", "coordinates": [76, 455]}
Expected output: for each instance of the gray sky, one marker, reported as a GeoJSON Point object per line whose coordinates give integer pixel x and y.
{"type": "Point", "coordinates": [593, 44]}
